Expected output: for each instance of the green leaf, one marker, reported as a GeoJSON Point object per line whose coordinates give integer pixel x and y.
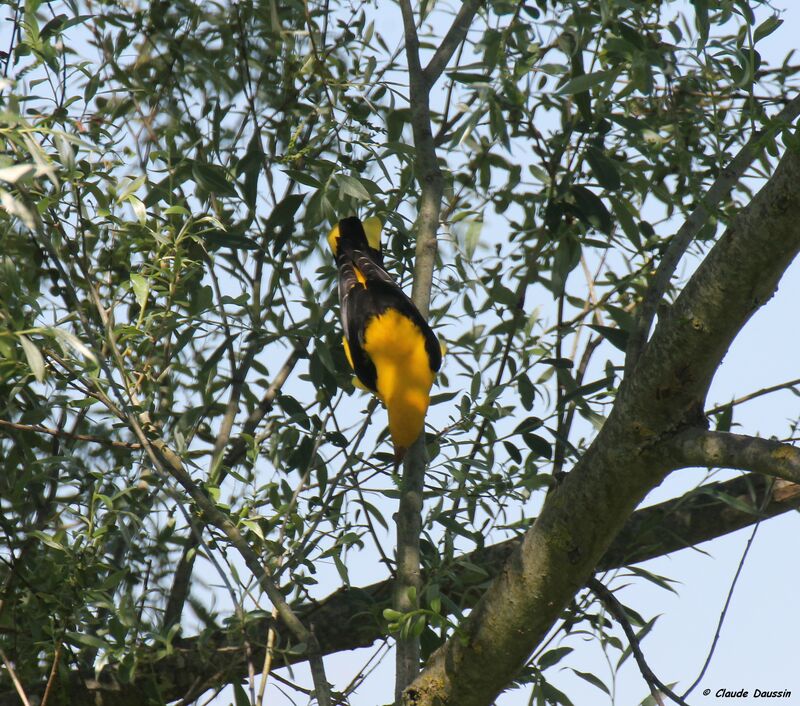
{"type": "Point", "coordinates": [766, 28]}
{"type": "Point", "coordinates": [603, 169]}
{"type": "Point", "coordinates": [70, 340]}
{"type": "Point", "coordinates": [626, 222]}
{"type": "Point", "coordinates": [47, 540]}
{"type": "Point", "coordinates": [302, 177]}
{"type": "Point", "coordinates": [592, 679]}
{"type": "Point", "coordinates": [615, 336]}
{"type": "Point", "coordinates": [590, 208]}
{"type": "Point", "coordinates": [661, 581]}
{"type": "Point", "coordinates": [527, 392]}
{"type": "Point", "coordinates": [513, 452]}
{"type": "Point", "coordinates": [139, 209]}
{"type": "Point", "coordinates": [472, 237]}
{"type": "Point", "coordinates": [351, 186]}
{"type": "Point", "coordinates": [17, 172]}
{"type": "Point", "coordinates": [34, 357]}
{"type": "Point", "coordinates": [141, 289]}
{"type": "Point", "coordinates": [554, 695]}
{"type": "Point", "coordinates": [213, 179]}
{"type": "Point", "coordinates": [85, 640]}
{"type": "Point", "coordinates": [736, 503]}
{"type": "Point", "coordinates": [216, 239]}
{"type": "Point", "coordinates": [724, 419]}
{"type": "Point", "coordinates": [538, 444]}
{"type": "Point", "coordinates": [240, 695]}
{"type": "Point", "coordinates": [465, 77]}
{"type": "Point", "coordinates": [701, 20]}
{"type": "Point", "coordinates": [584, 82]}
{"type": "Point", "coordinates": [528, 424]}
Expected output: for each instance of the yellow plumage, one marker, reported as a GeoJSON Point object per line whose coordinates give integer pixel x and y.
{"type": "Point", "coordinates": [388, 344]}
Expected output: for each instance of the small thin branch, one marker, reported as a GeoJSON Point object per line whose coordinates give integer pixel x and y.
{"type": "Point", "coordinates": [239, 446]}
{"type": "Point", "coordinates": [15, 30]}
{"type": "Point", "coordinates": [679, 243]}
{"type": "Point", "coordinates": [237, 449]}
{"type": "Point", "coordinates": [613, 606]}
{"type": "Point", "coordinates": [60, 433]}
{"type": "Point", "coordinates": [53, 674]}
{"type": "Point", "coordinates": [724, 612]}
{"type": "Point", "coordinates": [716, 449]}
{"type": "Point", "coordinates": [269, 653]}
{"type": "Point", "coordinates": [167, 462]}
{"type": "Point", "coordinates": [789, 385]}
{"type": "Point", "coordinates": [13, 674]}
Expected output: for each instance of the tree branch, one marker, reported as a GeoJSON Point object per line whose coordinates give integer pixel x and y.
{"type": "Point", "coordinates": [613, 606]}
{"type": "Point", "coordinates": [678, 245]}
{"type": "Point", "coordinates": [183, 571]}
{"type": "Point", "coordinates": [716, 449]}
{"type": "Point", "coordinates": [662, 396]}
{"type": "Point", "coordinates": [60, 433]}
{"type": "Point", "coordinates": [169, 463]}
{"type": "Point", "coordinates": [350, 617]}
{"type": "Point", "coordinates": [408, 518]}
{"type": "Point", "coordinates": [788, 385]}
{"type": "Point", "coordinates": [455, 35]}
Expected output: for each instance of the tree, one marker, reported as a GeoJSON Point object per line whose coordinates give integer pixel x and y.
{"type": "Point", "coordinates": [190, 479]}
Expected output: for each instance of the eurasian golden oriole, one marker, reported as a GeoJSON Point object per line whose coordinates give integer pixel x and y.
{"type": "Point", "coordinates": [389, 345]}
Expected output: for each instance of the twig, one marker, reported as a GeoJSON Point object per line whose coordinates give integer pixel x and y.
{"type": "Point", "coordinates": [753, 395]}
{"type": "Point", "coordinates": [724, 612]}
{"type": "Point", "coordinates": [13, 674]}
{"type": "Point", "coordinates": [69, 435]}
{"type": "Point", "coordinates": [455, 35]}
{"type": "Point", "coordinates": [14, 33]}
{"type": "Point", "coordinates": [613, 606]}
{"type": "Point", "coordinates": [53, 673]}
{"type": "Point", "coordinates": [269, 653]}
{"type": "Point", "coordinates": [237, 449]}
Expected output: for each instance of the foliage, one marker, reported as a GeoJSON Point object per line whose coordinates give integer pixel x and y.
{"type": "Point", "coordinates": [169, 171]}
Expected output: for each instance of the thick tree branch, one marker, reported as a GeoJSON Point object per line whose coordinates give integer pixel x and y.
{"type": "Point", "coordinates": [728, 178]}
{"type": "Point", "coordinates": [351, 617]}
{"type": "Point", "coordinates": [455, 35]}
{"type": "Point", "coordinates": [716, 449]}
{"type": "Point", "coordinates": [630, 455]}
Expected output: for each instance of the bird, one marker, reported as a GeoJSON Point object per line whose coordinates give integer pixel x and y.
{"type": "Point", "coordinates": [392, 350]}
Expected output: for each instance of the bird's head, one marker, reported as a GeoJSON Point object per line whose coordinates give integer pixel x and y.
{"type": "Point", "coordinates": [355, 232]}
